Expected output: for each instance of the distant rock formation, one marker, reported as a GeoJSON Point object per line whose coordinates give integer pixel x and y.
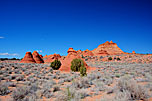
{"type": "Point", "coordinates": [51, 58]}
{"type": "Point", "coordinates": [32, 58]}
{"type": "Point", "coordinates": [66, 63]}
{"type": "Point", "coordinates": [45, 56]}
{"type": "Point", "coordinates": [28, 58]}
{"type": "Point", "coordinates": [37, 57]}
{"type": "Point", "coordinates": [133, 52]}
{"type": "Point", "coordinates": [107, 48]}
{"type": "Point", "coordinates": [41, 56]}
{"type": "Point", "coordinates": [87, 53]}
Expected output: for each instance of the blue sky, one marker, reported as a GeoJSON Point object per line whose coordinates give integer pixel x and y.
{"type": "Point", "coordinates": [52, 26]}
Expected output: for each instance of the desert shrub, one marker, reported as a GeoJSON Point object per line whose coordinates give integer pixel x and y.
{"type": "Point", "coordinates": [101, 57]}
{"type": "Point", "coordinates": [20, 78]}
{"type": "Point", "coordinates": [137, 92]}
{"type": "Point", "coordinates": [20, 93]}
{"type": "Point", "coordinates": [81, 83]}
{"type": "Point", "coordinates": [86, 59]}
{"type": "Point", "coordinates": [122, 96]}
{"type": "Point", "coordinates": [149, 86]}
{"type": "Point", "coordinates": [82, 56]}
{"type": "Point", "coordinates": [61, 97]}
{"type": "Point", "coordinates": [110, 58]}
{"type": "Point", "coordinates": [94, 75]}
{"type": "Point", "coordinates": [66, 95]}
{"type": "Point", "coordinates": [55, 64]}
{"type": "Point", "coordinates": [148, 77]}
{"type": "Point", "coordinates": [31, 98]}
{"type": "Point", "coordinates": [99, 86]}
{"type": "Point", "coordinates": [117, 75]}
{"type": "Point", "coordinates": [81, 94]}
{"type": "Point", "coordinates": [47, 93]}
{"type": "Point", "coordinates": [118, 59]}
{"type": "Point", "coordinates": [4, 89]}
{"type": "Point", "coordinates": [10, 84]}
{"type": "Point", "coordinates": [48, 84]}
{"type": "Point", "coordinates": [109, 90]}
{"type": "Point", "coordinates": [56, 88]}
{"type": "Point", "coordinates": [61, 81]}
{"type": "Point", "coordinates": [83, 71]}
{"type": "Point", "coordinates": [76, 64]}
{"type": "Point", "coordinates": [108, 80]}
{"type": "Point", "coordinates": [71, 94]}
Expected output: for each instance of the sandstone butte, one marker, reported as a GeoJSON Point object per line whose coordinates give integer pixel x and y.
{"type": "Point", "coordinates": [107, 48]}
{"type": "Point", "coordinates": [51, 58]}
{"type": "Point", "coordinates": [37, 57]}
{"type": "Point", "coordinates": [66, 63]}
{"type": "Point", "coordinates": [28, 58]}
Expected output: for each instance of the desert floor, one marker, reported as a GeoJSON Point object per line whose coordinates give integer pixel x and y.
{"type": "Point", "coordinates": [111, 81]}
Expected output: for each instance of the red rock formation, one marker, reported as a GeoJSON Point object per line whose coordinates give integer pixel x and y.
{"type": "Point", "coordinates": [37, 57]}
{"type": "Point", "coordinates": [107, 48]}
{"type": "Point", "coordinates": [45, 56]}
{"type": "Point", "coordinates": [87, 53]}
{"type": "Point", "coordinates": [51, 58]}
{"type": "Point", "coordinates": [41, 56]}
{"type": "Point", "coordinates": [28, 58]}
{"type": "Point", "coordinates": [133, 52]}
{"type": "Point", "coordinates": [79, 51]}
{"type": "Point", "coordinates": [66, 63]}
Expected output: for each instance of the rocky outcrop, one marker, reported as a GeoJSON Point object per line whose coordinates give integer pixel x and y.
{"type": "Point", "coordinates": [87, 53]}
{"type": "Point", "coordinates": [66, 63]}
{"type": "Point", "coordinates": [41, 56]}
{"type": "Point", "coordinates": [107, 48]}
{"type": "Point", "coordinates": [133, 52]}
{"type": "Point", "coordinates": [45, 56]}
{"type": "Point", "coordinates": [51, 58]}
{"type": "Point", "coordinates": [37, 57]}
{"type": "Point", "coordinates": [28, 58]}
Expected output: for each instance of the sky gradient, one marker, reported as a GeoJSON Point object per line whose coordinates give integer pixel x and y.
{"type": "Point", "coordinates": [52, 26]}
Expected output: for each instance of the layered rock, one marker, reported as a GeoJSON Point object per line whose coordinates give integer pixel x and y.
{"type": "Point", "coordinates": [51, 58]}
{"type": "Point", "coordinates": [87, 53]}
{"type": "Point", "coordinates": [41, 56]}
{"type": "Point", "coordinates": [28, 58]}
{"type": "Point", "coordinates": [37, 57]}
{"type": "Point", "coordinates": [107, 48]}
{"type": "Point", "coordinates": [66, 63]}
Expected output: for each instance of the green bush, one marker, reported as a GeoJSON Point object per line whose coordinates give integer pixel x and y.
{"type": "Point", "coordinates": [118, 59]}
{"type": "Point", "coordinates": [56, 64]}
{"type": "Point", "coordinates": [82, 56]}
{"type": "Point", "coordinates": [110, 58]}
{"type": "Point", "coordinates": [76, 64]}
{"type": "Point", "coordinates": [83, 71]}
